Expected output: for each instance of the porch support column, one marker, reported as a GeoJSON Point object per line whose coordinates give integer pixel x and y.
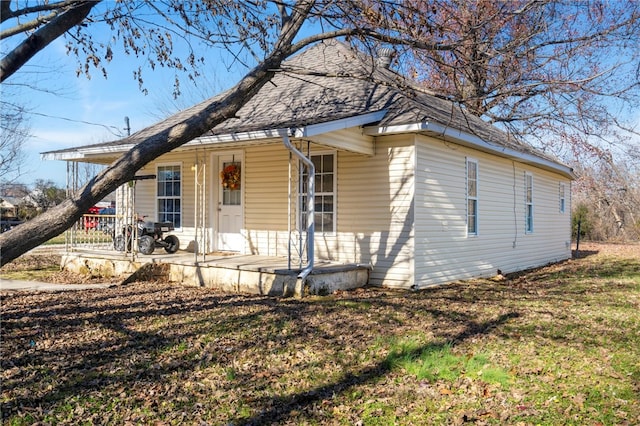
{"type": "Point", "coordinates": [310, 205]}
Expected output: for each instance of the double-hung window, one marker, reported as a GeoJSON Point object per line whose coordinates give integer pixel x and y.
{"type": "Point", "coordinates": [472, 197]}
{"type": "Point", "coordinates": [169, 187]}
{"type": "Point", "coordinates": [561, 196]}
{"type": "Point", "coordinates": [528, 194]}
{"type": "Point", "coordinates": [324, 213]}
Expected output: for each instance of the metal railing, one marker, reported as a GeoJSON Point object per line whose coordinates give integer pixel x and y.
{"type": "Point", "coordinates": [94, 231]}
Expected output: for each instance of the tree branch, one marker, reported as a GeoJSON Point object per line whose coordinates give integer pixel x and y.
{"type": "Point", "coordinates": [152, 142]}
{"type": "Point", "coordinates": [27, 26]}
{"type": "Point", "coordinates": [42, 37]}
{"type": "Point", "coordinates": [7, 13]}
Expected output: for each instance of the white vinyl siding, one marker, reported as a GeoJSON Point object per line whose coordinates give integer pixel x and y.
{"type": "Point", "coordinates": [145, 190]}
{"type": "Point", "coordinates": [402, 210]}
{"type": "Point", "coordinates": [374, 209]}
{"type": "Point", "coordinates": [375, 216]}
{"type": "Point", "coordinates": [472, 197]}
{"type": "Point", "coordinates": [266, 199]}
{"type": "Point", "coordinates": [443, 251]}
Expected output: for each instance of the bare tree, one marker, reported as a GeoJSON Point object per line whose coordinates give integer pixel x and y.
{"type": "Point", "coordinates": [14, 129]}
{"type": "Point", "coordinates": [63, 16]}
{"type": "Point", "coordinates": [558, 73]}
{"type": "Point", "coordinates": [260, 33]}
{"type": "Point", "coordinates": [265, 27]}
{"type": "Point", "coordinates": [607, 195]}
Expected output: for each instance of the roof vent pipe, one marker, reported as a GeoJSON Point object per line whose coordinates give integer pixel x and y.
{"type": "Point", "coordinates": [385, 54]}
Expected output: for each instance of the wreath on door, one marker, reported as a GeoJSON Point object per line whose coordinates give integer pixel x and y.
{"type": "Point", "coordinates": [230, 176]}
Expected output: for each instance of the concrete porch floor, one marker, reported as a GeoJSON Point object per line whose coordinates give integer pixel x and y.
{"type": "Point", "coordinates": [228, 272]}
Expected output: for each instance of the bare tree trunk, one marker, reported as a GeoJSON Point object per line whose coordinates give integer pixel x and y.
{"type": "Point", "coordinates": [41, 38]}
{"type": "Point", "coordinates": [150, 143]}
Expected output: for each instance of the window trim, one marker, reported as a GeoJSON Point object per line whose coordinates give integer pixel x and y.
{"type": "Point", "coordinates": [562, 194]}
{"type": "Point", "coordinates": [301, 209]}
{"type": "Point", "coordinates": [529, 209]}
{"type": "Point", "coordinates": [157, 197]}
{"type": "Point", "coordinates": [470, 160]}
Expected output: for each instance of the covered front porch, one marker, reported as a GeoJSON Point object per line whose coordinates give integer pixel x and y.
{"type": "Point", "coordinates": [252, 233]}
{"type": "Point", "coordinates": [228, 272]}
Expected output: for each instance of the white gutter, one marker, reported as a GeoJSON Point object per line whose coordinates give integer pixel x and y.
{"type": "Point", "coordinates": [310, 205]}
{"type": "Point", "coordinates": [86, 152]}
{"type": "Point", "coordinates": [471, 140]}
{"type": "Point", "coordinates": [311, 130]}
{"type": "Point", "coordinates": [226, 138]}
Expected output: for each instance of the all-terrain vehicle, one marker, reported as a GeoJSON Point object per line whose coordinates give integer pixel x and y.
{"type": "Point", "coordinates": [150, 236]}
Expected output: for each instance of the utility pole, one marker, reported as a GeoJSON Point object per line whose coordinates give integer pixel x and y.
{"type": "Point", "coordinates": [128, 128]}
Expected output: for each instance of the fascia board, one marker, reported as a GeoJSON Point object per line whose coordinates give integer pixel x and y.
{"type": "Point", "coordinates": [63, 156]}
{"type": "Point", "coordinates": [298, 132]}
{"type": "Point", "coordinates": [399, 128]}
{"type": "Point", "coordinates": [473, 141]}
{"type": "Point", "coordinates": [236, 137]}
{"type": "Point", "coordinates": [340, 124]}
{"type": "Point", "coordinates": [81, 153]}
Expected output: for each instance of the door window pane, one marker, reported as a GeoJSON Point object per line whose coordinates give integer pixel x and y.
{"type": "Point", "coordinates": [231, 179]}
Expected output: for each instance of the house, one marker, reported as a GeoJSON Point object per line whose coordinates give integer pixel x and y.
{"type": "Point", "coordinates": [403, 181]}
{"type": "Point", "coordinates": [9, 207]}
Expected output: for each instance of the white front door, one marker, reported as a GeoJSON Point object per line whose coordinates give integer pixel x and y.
{"type": "Point", "coordinates": [229, 209]}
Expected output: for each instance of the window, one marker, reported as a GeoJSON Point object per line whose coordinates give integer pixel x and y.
{"type": "Point", "coordinates": [528, 193]}
{"type": "Point", "coordinates": [472, 197]}
{"type": "Point", "coordinates": [561, 197]}
{"type": "Point", "coordinates": [169, 194]}
{"type": "Point", "coordinates": [231, 182]}
{"type": "Point", "coordinates": [324, 194]}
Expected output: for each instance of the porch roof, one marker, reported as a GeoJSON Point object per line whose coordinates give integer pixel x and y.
{"type": "Point", "coordinates": [329, 91]}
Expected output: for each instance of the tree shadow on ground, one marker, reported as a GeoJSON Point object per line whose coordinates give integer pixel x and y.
{"type": "Point", "coordinates": [283, 406]}
{"type": "Point", "coordinates": [581, 254]}
{"type": "Point", "coordinates": [125, 340]}
{"type": "Point", "coordinates": [61, 346]}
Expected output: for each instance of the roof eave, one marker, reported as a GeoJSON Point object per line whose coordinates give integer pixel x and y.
{"type": "Point", "coordinates": [302, 131]}
{"type": "Point", "coordinates": [473, 141]}
{"type": "Point", "coordinates": [78, 154]}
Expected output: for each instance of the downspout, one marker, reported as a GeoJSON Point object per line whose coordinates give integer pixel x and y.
{"type": "Point", "coordinates": [310, 206]}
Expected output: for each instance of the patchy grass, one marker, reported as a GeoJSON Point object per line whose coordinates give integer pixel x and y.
{"type": "Point", "coordinates": [46, 267]}
{"type": "Point", "coordinates": [558, 345]}
{"type": "Point", "coordinates": [32, 267]}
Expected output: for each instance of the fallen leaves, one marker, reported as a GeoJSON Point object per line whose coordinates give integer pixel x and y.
{"type": "Point", "coordinates": [158, 353]}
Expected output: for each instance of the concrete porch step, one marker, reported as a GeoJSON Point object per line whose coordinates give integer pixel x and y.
{"type": "Point", "coordinates": [265, 275]}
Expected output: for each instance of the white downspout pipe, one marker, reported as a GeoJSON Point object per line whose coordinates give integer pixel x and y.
{"type": "Point", "coordinates": [310, 206]}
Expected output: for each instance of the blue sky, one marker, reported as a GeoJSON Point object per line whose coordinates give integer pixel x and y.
{"type": "Point", "coordinates": [60, 118]}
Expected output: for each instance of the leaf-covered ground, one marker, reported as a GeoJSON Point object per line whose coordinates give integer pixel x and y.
{"type": "Point", "coordinates": [558, 345]}
{"type": "Point", "coordinates": [45, 266]}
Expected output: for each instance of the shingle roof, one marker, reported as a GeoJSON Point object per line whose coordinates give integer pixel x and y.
{"type": "Point", "coordinates": [330, 81]}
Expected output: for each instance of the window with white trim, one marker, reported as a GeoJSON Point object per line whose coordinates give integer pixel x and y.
{"type": "Point", "coordinates": [528, 201]}
{"type": "Point", "coordinates": [169, 194]}
{"type": "Point", "coordinates": [561, 196]}
{"type": "Point", "coordinates": [472, 197]}
{"type": "Point", "coordinates": [324, 213]}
